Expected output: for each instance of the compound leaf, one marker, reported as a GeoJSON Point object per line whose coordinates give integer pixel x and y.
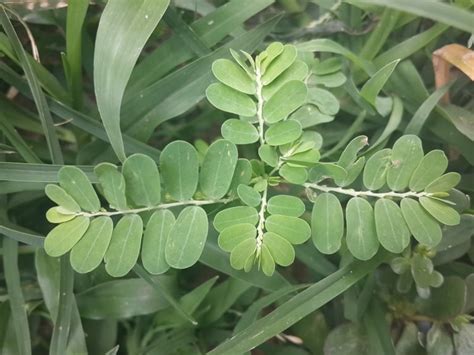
{"type": "Point", "coordinates": [227, 99]}
{"type": "Point", "coordinates": [232, 236]}
{"type": "Point", "coordinates": [230, 74]}
{"type": "Point", "coordinates": [61, 198]}
{"type": "Point", "coordinates": [156, 235]}
{"type": "Point", "coordinates": [77, 185]}
{"type": "Point", "coordinates": [281, 250]}
{"type": "Point", "coordinates": [286, 205]}
{"type": "Point", "coordinates": [179, 167]}
{"type": "Point", "coordinates": [407, 154]}
{"type": "Point", "coordinates": [187, 238]}
{"type": "Point", "coordinates": [218, 169]}
{"type": "Point", "coordinates": [283, 132]}
{"type": "Point", "coordinates": [124, 247]}
{"type": "Point", "coordinates": [63, 237]}
{"type": "Point", "coordinates": [235, 215]}
{"type": "Point", "coordinates": [392, 230]}
{"type": "Point", "coordinates": [88, 253]}
{"type": "Point", "coordinates": [142, 180]}
{"type": "Point", "coordinates": [424, 228]}
{"type": "Point", "coordinates": [361, 236]}
{"type": "Point", "coordinates": [239, 132]}
{"type": "Point", "coordinates": [286, 100]}
{"type": "Point", "coordinates": [431, 167]}
{"type": "Point", "coordinates": [327, 223]}
{"type": "Point", "coordinates": [113, 185]}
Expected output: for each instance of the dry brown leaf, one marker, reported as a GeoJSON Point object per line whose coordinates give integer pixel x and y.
{"type": "Point", "coordinates": [452, 55]}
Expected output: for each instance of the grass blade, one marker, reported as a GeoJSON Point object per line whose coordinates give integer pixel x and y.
{"type": "Point", "coordinates": [15, 295]}
{"type": "Point", "coordinates": [76, 13]}
{"type": "Point", "coordinates": [140, 271]}
{"type": "Point", "coordinates": [25, 172]}
{"type": "Point", "coordinates": [27, 238]}
{"type": "Point", "coordinates": [38, 96]}
{"type": "Point", "coordinates": [133, 22]}
{"type": "Point", "coordinates": [297, 307]}
{"type": "Point", "coordinates": [435, 10]}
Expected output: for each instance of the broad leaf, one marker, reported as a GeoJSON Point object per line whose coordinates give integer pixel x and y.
{"type": "Point", "coordinates": [142, 180]}
{"type": "Point", "coordinates": [286, 100]}
{"type": "Point", "coordinates": [88, 253]}
{"type": "Point", "coordinates": [293, 229]}
{"type": "Point", "coordinates": [286, 205]}
{"type": "Point", "coordinates": [326, 102]}
{"type": "Point", "coordinates": [63, 237]}
{"type": "Point", "coordinates": [280, 64]}
{"type": "Point", "coordinates": [444, 183]}
{"type": "Point", "coordinates": [179, 167]}
{"type": "Point", "coordinates": [241, 253]}
{"type": "Point", "coordinates": [187, 238]}
{"type": "Point", "coordinates": [281, 250]}
{"type": "Point", "coordinates": [61, 198]}
{"type": "Point", "coordinates": [424, 228]}
{"type": "Point", "coordinates": [392, 230]}
{"type": "Point", "coordinates": [239, 132]}
{"type": "Point", "coordinates": [283, 132]}
{"type": "Point", "coordinates": [249, 196]}
{"type": "Point", "coordinates": [294, 175]}
{"type": "Point", "coordinates": [322, 171]}
{"type": "Point", "coordinates": [77, 185]}
{"type": "Point", "coordinates": [375, 171]}
{"type": "Point", "coordinates": [227, 99]}
{"type": "Point", "coordinates": [266, 261]}
{"type": "Point", "coordinates": [58, 215]}
{"type": "Point", "coordinates": [124, 247]}
{"type": "Point", "coordinates": [361, 236]}
{"type": "Point", "coordinates": [113, 185]}
{"type": "Point", "coordinates": [349, 154]}
{"type": "Point", "coordinates": [156, 234]}
{"type": "Point", "coordinates": [327, 223]}
{"type": "Point", "coordinates": [235, 215]}
{"type": "Point", "coordinates": [268, 154]}
{"type": "Point", "coordinates": [232, 236]}
{"type": "Point", "coordinates": [297, 71]}
{"type": "Point", "coordinates": [218, 169]}
{"type": "Point", "coordinates": [431, 167]}
{"type": "Point", "coordinates": [132, 22]}
{"type": "Point", "coordinates": [407, 154]}
{"type": "Point", "coordinates": [440, 211]}
{"type": "Point", "coordinates": [230, 74]}
{"type": "Point", "coordinates": [242, 174]}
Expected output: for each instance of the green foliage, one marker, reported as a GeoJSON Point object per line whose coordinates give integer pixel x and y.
{"type": "Point", "coordinates": [344, 139]}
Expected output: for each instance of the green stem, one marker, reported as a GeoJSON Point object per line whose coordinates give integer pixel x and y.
{"type": "Point", "coordinates": [152, 208]}
{"type": "Point", "coordinates": [352, 192]}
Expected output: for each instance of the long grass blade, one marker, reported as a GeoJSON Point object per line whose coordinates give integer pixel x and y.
{"type": "Point", "coordinates": [15, 295]}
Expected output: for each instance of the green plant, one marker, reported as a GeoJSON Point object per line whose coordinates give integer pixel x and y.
{"type": "Point", "coordinates": [291, 204]}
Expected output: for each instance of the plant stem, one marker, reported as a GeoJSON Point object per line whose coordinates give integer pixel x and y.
{"type": "Point", "coordinates": [355, 193]}
{"type": "Point", "coordinates": [260, 102]}
{"type": "Point", "coordinates": [261, 221]}
{"type": "Point", "coordinates": [151, 208]}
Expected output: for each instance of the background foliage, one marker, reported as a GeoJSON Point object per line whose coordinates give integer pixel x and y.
{"type": "Point", "coordinates": [89, 87]}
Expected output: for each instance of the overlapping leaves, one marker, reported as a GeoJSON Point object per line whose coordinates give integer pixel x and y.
{"type": "Point", "coordinates": [405, 196]}
{"type": "Point", "coordinates": [115, 234]}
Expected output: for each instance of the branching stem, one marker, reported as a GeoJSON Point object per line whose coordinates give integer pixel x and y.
{"type": "Point", "coordinates": [260, 102]}
{"type": "Point", "coordinates": [151, 208]}
{"type": "Point", "coordinates": [355, 193]}
{"type": "Point", "coordinates": [261, 221]}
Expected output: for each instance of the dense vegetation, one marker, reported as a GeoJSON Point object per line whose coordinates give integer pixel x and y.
{"type": "Point", "coordinates": [242, 176]}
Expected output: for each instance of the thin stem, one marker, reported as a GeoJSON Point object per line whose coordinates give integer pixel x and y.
{"type": "Point", "coordinates": [151, 208]}
{"type": "Point", "coordinates": [355, 193]}
{"type": "Point", "coordinates": [261, 220]}
{"type": "Point", "coordinates": [260, 102]}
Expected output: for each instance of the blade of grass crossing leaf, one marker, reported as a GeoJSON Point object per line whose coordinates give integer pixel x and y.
{"type": "Point", "coordinates": [421, 115]}
{"type": "Point", "coordinates": [374, 85]}
{"type": "Point", "coordinates": [141, 272]}
{"type": "Point", "coordinates": [17, 302]}
{"type": "Point", "coordinates": [76, 13]}
{"type": "Point", "coordinates": [435, 10]}
{"type": "Point", "coordinates": [132, 22]}
{"type": "Point", "coordinates": [185, 32]}
{"type": "Point", "coordinates": [38, 96]}
{"type": "Point", "coordinates": [26, 172]}
{"type": "Point", "coordinates": [297, 307]}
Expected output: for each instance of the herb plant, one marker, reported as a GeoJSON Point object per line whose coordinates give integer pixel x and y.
{"type": "Point", "coordinates": [320, 177]}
